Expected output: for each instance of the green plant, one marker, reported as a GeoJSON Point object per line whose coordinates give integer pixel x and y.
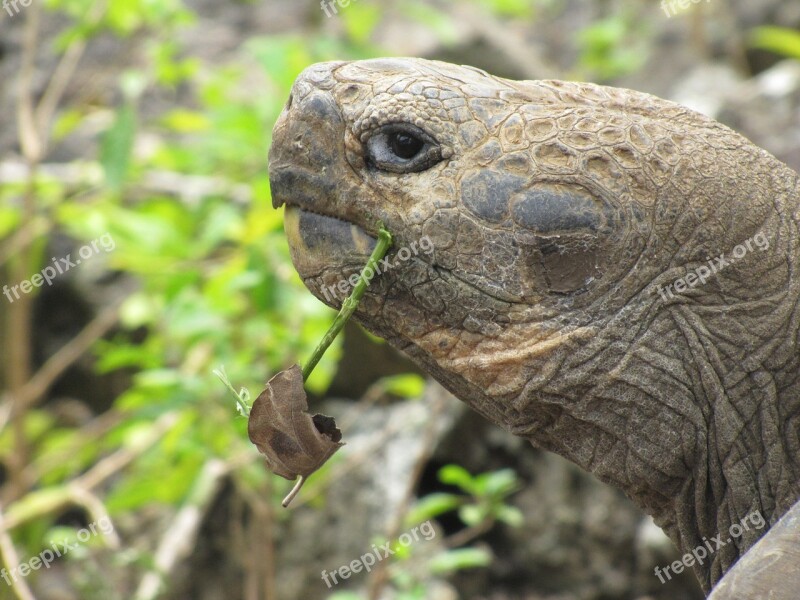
{"type": "Point", "coordinates": [780, 40]}
{"type": "Point", "coordinates": [482, 503]}
{"type": "Point", "coordinates": [610, 48]}
{"type": "Point", "coordinates": [193, 225]}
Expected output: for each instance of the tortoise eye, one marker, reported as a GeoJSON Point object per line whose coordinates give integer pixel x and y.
{"type": "Point", "coordinates": [402, 148]}
{"type": "Point", "coordinates": [405, 146]}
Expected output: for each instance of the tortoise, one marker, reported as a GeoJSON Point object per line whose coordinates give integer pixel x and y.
{"type": "Point", "coordinates": [612, 276]}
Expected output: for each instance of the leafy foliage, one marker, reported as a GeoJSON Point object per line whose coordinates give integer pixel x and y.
{"type": "Point", "coordinates": [611, 47]}
{"type": "Point", "coordinates": [483, 500]}
{"type": "Point", "coordinates": [779, 40]}
{"type": "Point", "coordinates": [178, 180]}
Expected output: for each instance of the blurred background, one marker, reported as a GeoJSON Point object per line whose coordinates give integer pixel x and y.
{"type": "Point", "coordinates": [135, 203]}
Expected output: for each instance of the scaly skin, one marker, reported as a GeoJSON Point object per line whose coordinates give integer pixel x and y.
{"type": "Point", "coordinates": [557, 211]}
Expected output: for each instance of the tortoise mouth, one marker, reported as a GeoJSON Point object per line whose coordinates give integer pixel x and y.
{"type": "Point", "coordinates": [320, 243]}
{"type": "Point", "coordinates": [323, 245]}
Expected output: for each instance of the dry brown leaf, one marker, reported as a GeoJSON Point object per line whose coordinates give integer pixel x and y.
{"type": "Point", "coordinates": [293, 441]}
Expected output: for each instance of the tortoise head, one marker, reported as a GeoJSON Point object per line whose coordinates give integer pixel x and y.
{"type": "Point", "coordinates": [497, 231]}
{"type": "Point", "coordinates": [527, 215]}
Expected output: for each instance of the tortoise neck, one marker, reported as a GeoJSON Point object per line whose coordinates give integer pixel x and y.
{"type": "Point", "coordinates": [706, 445]}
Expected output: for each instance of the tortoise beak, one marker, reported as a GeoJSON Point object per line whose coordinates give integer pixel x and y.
{"type": "Point", "coordinates": [304, 161]}
{"type": "Point", "coordinates": [302, 158]}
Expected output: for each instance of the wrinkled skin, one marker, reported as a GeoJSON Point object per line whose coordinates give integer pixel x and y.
{"type": "Point", "coordinates": [556, 211]}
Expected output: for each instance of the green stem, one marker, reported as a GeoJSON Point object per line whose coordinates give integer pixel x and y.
{"type": "Point", "coordinates": [241, 396]}
{"type": "Point", "coordinates": [351, 303]}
